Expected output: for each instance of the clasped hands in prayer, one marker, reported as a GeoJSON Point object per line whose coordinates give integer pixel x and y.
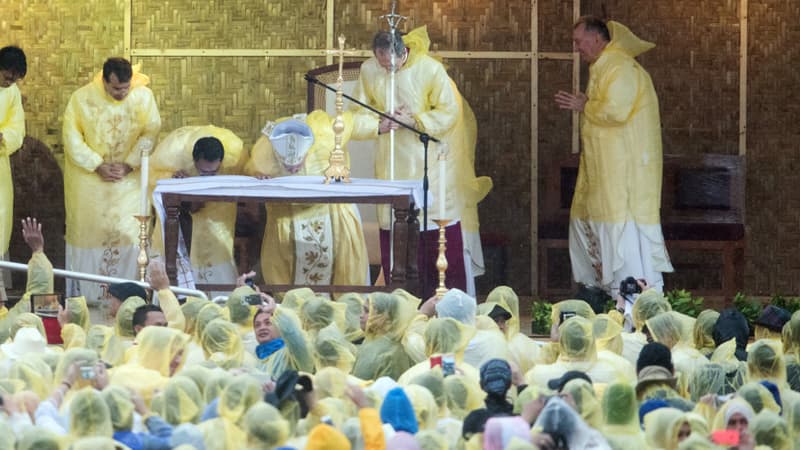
{"type": "Point", "coordinates": [402, 114]}
{"type": "Point", "coordinates": [113, 171]}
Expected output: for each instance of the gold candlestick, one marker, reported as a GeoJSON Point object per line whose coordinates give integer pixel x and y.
{"type": "Point", "coordinates": [441, 260]}
{"type": "Point", "coordinates": [338, 171]}
{"type": "Point", "coordinates": [142, 259]}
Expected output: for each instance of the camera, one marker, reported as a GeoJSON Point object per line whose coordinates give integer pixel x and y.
{"type": "Point", "coordinates": [88, 372]}
{"type": "Point", "coordinates": [448, 364]}
{"type": "Point", "coordinates": [564, 315]}
{"type": "Point", "coordinates": [252, 299]}
{"type": "Point", "coordinates": [250, 282]}
{"type": "Point", "coordinates": [629, 286]}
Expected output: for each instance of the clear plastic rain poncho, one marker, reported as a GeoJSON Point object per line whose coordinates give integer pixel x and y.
{"type": "Point", "coordinates": [216, 383]}
{"type": "Point", "coordinates": [792, 416]}
{"type": "Point", "coordinates": [431, 440]}
{"type": "Point", "coordinates": [524, 350]}
{"type": "Point", "coordinates": [225, 431]}
{"type": "Point", "coordinates": [443, 336]}
{"type": "Point", "coordinates": [89, 415]}
{"type": "Point", "coordinates": [120, 407]}
{"type": "Point", "coordinates": [707, 379]}
{"type": "Point", "coordinates": [332, 349]}
{"type": "Point", "coordinates": [758, 397]}
{"type": "Point", "coordinates": [9, 440]}
{"type": "Point", "coordinates": [190, 310]}
{"type": "Point", "coordinates": [35, 373]}
{"type": "Point", "coordinates": [770, 430]}
{"type": "Point", "coordinates": [101, 338]}
{"type": "Point", "coordinates": [765, 362]}
{"type": "Point", "coordinates": [182, 401]}
{"type": "Point", "coordinates": [607, 333]}
{"type": "Point", "coordinates": [671, 329]}
{"type": "Point", "coordinates": [433, 381]}
{"type": "Point", "coordinates": [26, 320]}
{"type": "Point", "coordinates": [199, 374]}
{"type": "Point", "coordinates": [649, 304]}
{"type": "Point", "coordinates": [73, 336]}
{"type": "Point", "coordinates": [78, 312]}
{"type": "Point", "coordinates": [621, 418]}
{"type": "Point", "coordinates": [563, 423]}
{"type": "Point", "coordinates": [221, 339]}
{"type": "Point", "coordinates": [38, 438]}
{"type": "Point", "coordinates": [703, 332]}
{"type": "Point", "coordinates": [97, 443]}
{"type": "Point", "coordinates": [319, 312]}
{"type": "Point", "coordinates": [424, 404]}
{"type": "Point", "coordinates": [587, 403]}
{"type": "Point", "coordinates": [240, 312]}
{"type": "Point", "coordinates": [124, 319]}
{"type": "Point", "coordinates": [206, 314]}
{"type": "Point", "coordinates": [297, 353]}
{"type": "Point", "coordinates": [266, 429]}
{"type": "Point", "coordinates": [463, 395]}
{"type": "Point", "coordinates": [76, 355]}
{"type": "Point", "coordinates": [354, 303]}
{"type": "Point", "coordinates": [458, 305]}
{"type": "Point", "coordinates": [294, 298]}
{"type": "Point", "coordinates": [661, 427]}
{"type": "Point", "coordinates": [382, 352]}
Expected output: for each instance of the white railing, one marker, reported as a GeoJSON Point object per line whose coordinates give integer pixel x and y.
{"type": "Point", "coordinates": [101, 279]}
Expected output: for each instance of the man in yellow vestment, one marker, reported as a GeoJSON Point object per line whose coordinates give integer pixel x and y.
{"type": "Point", "coordinates": [615, 226]}
{"type": "Point", "coordinates": [13, 66]}
{"type": "Point", "coordinates": [427, 99]}
{"type": "Point", "coordinates": [202, 151]}
{"type": "Point", "coordinates": [106, 124]}
{"type": "Point", "coordinates": [307, 243]}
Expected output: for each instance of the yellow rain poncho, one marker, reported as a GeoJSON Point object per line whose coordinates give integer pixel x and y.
{"type": "Point", "coordinates": [524, 351]}
{"type": "Point", "coordinates": [207, 313]}
{"type": "Point", "coordinates": [212, 225]}
{"type": "Point", "coordinates": [758, 397]}
{"type": "Point", "coordinates": [608, 333]}
{"type": "Point", "coordinates": [703, 328]}
{"type": "Point", "coordinates": [26, 320]}
{"type": "Point", "coordinates": [101, 338]}
{"type": "Point", "coordinates": [310, 243]}
{"type": "Point", "coordinates": [661, 427]}
{"type": "Point", "coordinates": [621, 418]}
{"type": "Point", "coordinates": [98, 443]}
{"type": "Point", "coordinates": [424, 405]}
{"type": "Point", "coordinates": [191, 308]}
{"type": "Point", "coordinates": [215, 385]}
{"type": "Point", "coordinates": [433, 381]}
{"type": "Point", "coordinates": [355, 307]}
{"type": "Point", "coordinates": [577, 352]}
{"type": "Point", "coordinates": [159, 355]}
{"type": "Point", "coordinates": [649, 304]}
{"type": "Point", "coordinates": [670, 329]}
{"type": "Point", "coordinates": [425, 89]}
{"type": "Point", "coordinates": [332, 349]}
{"type": "Point", "coordinates": [431, 440]}
{"type": "Point", "coordinates": [444, 336]}
{"type": "Point", "coordinates": [9, 440]}
{"type": "Point", "coordinates": [770, 430]}
{"type": "Point", "coordinates": [38, 438]}
{"type": "Point", "coordinates": [266, 429]}
{"type": "Point", "coordinates": [89, 415]}
{"type": "Point", "coordinates": [35, 373]}
{"type": "Point", "coordinates": [463, 395]}
{"type": "Point", "coordinates": [78, 312]}
{"type": "Point", "coordinates": [707, 379]}
{"type": "Point", "coordinates": [120, 407]}
{"type": "Point", "coordinates": [83, 356]}
{"type": "Point", "coordinates": [765, 362]}
{"type": "Point", "coordinates": [240, 312]}
{"type": "Point", "coordinates": [382, 352]}
{"type": "Point", "coordinates": [12, 127]}
{"type": "Point", "coordinates": [100, 219]}
{"type": "Point", "coordinates": [319, 312]}
{"type": "Point", "coordinates": [73, 336]}
{"type": "Point", "coordinates": [294, 298]}
{"type": "Point", "coordinates": [124, 320]}
{"type": "Point", "coordinates": [620, 134]}
{"type": "Point", "coordinates": [225, 432]}
{"type": "Point", "coordinates": [588, 405]}
{"type": "Point", "coordinates": [222, 343]}
{"type": "Point", "coordinates": [183, 401]}
{"type": "Point", "coordinates": [297, 353]}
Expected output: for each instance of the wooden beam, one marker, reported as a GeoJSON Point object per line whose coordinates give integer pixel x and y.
{"type": "Point", "coordinates": [330, 39]}
{"type": "Point", "coordinates": [567, 56]}
{"type": "Point", "coordinates": [576, 84]}
{"type": "Point", "coordinates": [534, 148]}
{"type": "Point", "coordinates": [742, 77]}
{"type": "Point", "coordinates": [260, 53]}
{"type": "Point", "coordinates": [126, 30]}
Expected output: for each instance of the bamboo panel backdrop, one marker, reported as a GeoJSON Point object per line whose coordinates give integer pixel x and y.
{"type": "Point", "coordinates": [694, 67]}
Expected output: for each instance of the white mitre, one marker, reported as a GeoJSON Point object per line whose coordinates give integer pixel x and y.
{"type": "Point", "coordinates": [291, 139]}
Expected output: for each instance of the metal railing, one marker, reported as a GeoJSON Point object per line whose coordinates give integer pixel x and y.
{"type": "Point", "coordinates": [101, 279]}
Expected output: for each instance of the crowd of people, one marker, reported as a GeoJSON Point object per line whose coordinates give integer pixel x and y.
{"type": "Point", "coordinates": [388, 371]}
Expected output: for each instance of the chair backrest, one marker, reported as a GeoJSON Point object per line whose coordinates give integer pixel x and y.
{"type": "Point", "coordinates": [321, 98]}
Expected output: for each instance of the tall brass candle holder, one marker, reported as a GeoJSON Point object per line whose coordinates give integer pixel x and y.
{"type": "Point", "coordinates": [441, 260]}
{"type": "Point", "coordinates": [142, 259]}
{"type": "Point", "coordinates": [338, 171]}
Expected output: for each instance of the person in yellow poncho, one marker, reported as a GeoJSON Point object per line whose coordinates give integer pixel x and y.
{"type": "Point", "coordinates": [615, 228]}
{"type": "Point", "coordinates": [427, 99]}
{"type": "Point", "coordinates": [201, 151]}
{"type": "Point", "coordinates": [13, 67]}
{"type": "Point", "coordinates": [106, 124]}
{"type": "Point", "coordinates": [307, 243]}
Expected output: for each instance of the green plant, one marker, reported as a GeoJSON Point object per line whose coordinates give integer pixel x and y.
{"type": "Point", "coordinates": [683, 302]}
{"type": "Point", "coordinates": [540, 316]}
{"type": "Point", "coordinates": [790, 304]}
{"type": "Point", "coordinates": [749, 307]}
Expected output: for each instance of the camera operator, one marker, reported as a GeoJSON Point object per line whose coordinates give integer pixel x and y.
{"type": "Point", "coordinates": [629, 290]}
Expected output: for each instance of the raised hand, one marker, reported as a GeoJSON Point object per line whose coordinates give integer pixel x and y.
{"type": "Point", "coordinates": [32, 234]}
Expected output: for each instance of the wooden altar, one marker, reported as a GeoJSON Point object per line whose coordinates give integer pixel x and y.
{"type": "Point", "coordinates": [402, 195]}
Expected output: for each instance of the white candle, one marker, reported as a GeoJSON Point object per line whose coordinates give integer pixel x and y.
{"type": "Point", "coordinates": [442, 186]}
{"type": "Point", "coordinates": [144, 173]}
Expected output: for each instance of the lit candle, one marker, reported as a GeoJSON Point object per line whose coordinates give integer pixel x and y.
{"type": "Point", "coordinates": [144, 147]}
{"type": "Point", "coordinates": [442, 184]}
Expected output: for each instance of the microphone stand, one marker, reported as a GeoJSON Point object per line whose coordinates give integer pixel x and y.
{"type": "Point", "coordinates": [425, 138]}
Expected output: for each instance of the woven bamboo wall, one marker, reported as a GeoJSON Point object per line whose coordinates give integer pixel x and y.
{"type": "Point", "coordinates": [694, 67]}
